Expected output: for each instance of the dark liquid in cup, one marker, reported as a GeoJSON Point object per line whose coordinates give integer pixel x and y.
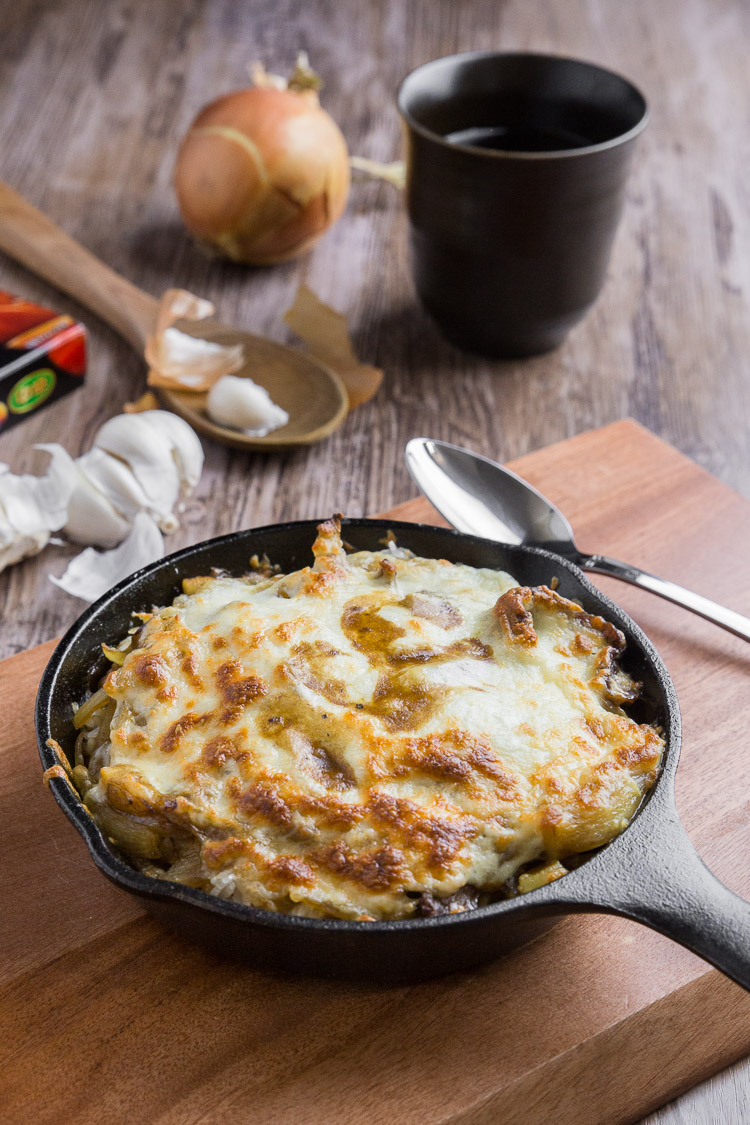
{"type": "Point", "coordinates": [524, 138]}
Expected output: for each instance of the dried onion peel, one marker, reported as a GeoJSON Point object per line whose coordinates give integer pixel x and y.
{"type": "Point", "coordinates": [182, 362]}
{"type": "Point", "coordinates": [263, 172]}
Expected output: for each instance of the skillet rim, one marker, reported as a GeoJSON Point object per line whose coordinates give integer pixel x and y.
{"type": "Point", "coordinates": [561, 895]}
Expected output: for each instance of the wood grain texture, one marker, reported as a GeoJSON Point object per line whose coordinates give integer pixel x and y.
{"type": "Point", "coordinates": [313, 395]}
{"type": "Point", "coordinates": [95, 99]}
{"type": "Point", "coordinates": [35, 242]}
{"type": "Point", "coordinates": [596, 1022]}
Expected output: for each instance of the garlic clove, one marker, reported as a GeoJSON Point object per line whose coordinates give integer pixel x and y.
{"type": "Point", "coordinates": [21, 547]}
{"type": "Point", "coordinates": [15, 546]}
{"type": "Point", "coordinates": [93, 573]}
{"type": "Point", "coordinates": [34, 504]}
{"type": "Point", "coordinates": [186, 447]}
{"type": "Point", "coordinates": [32, 507]}
{"type": "Point", "coordinates": [150, 459]}
{"type": "Point", "coordinates": [115, 480]}
{"type": "Point", "coordinates": [140, 465]}
{"type": "Point", "coordinates": [92, 517]}
{"type": "Point", "coordinates": [240, 404]}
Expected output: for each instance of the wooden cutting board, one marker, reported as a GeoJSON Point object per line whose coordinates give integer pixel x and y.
{"type": "Point", "coordinates": [104, 1016]}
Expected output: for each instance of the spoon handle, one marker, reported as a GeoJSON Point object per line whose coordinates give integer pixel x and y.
{"type": "Point", "coordinates": [726, 618]}
{"type": "Point", "coordinates": [37, 243]}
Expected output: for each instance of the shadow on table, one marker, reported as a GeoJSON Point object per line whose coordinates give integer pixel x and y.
{"type": "Point", "coordinates": [407, 335]}
{"type": "Point", "coordinates": [167, 245]}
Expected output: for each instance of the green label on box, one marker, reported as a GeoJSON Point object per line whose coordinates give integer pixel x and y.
{"type": "Point", "coordinates": [30, 391]}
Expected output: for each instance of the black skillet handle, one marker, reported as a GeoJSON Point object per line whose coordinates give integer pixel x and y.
{"type": "Point", "coordinates": [654, 875]}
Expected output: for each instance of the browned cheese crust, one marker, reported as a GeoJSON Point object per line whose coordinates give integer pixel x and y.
{"type": "Point", "coordinates": [370, 737]}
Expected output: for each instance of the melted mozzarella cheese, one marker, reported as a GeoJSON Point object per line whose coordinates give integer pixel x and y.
{"type": "Point", "coordinates": [345, 739]}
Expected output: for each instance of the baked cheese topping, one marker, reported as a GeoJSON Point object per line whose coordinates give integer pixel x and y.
{"type": "Point", "coordinates": [374, 736]}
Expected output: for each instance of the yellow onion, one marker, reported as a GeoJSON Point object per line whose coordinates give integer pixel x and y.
{"type": "Point", "coordinates": [263, 172]}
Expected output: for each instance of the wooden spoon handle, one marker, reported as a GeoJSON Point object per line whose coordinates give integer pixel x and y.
{"type": "Point", "coordinates": [33, 240]}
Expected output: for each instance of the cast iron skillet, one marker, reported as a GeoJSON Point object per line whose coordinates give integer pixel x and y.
{"type": "Point", "coordinates": [650, 873]}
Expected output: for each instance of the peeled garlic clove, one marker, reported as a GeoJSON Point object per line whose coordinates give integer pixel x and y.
{"type": "Point", "coordinates": [92, 573]}
{"type": "Point", "coordinates": [186, 447]}
{"type": "Point", "coordinates": [133, 441]}
{"type": "Point", "coordinates": [92, 517]}
{"type": "Point", "coordinates": [240, 404]}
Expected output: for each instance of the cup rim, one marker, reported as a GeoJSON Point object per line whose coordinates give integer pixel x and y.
{"type": "Point", "coordinates": [509, 154]}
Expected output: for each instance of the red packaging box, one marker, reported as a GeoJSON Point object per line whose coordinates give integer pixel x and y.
{"type": "Point", "coordinates": [42, 357]}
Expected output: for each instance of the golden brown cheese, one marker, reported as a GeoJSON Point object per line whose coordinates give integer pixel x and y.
{"type": "Point", "coordinates": [367, 736]}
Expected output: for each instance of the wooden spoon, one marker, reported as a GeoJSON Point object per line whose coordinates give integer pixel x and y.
{"type": "Point", "coordinates": [312, 395]}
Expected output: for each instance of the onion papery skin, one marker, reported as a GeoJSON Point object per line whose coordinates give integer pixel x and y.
{"type": "Point", "coordinates": [262, 175]}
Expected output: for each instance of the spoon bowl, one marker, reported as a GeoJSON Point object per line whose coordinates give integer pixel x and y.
{"type": "Point", "coordinates": [479, 497]}
{"type": "Point", "coordinates": [312, 395]}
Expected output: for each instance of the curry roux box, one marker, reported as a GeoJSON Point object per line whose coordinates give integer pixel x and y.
{"type": "Point", "coordinates": [42, 357]}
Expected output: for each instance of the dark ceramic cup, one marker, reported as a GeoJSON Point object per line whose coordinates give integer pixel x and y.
{"type": "Point", "coordinates": [510, 244]}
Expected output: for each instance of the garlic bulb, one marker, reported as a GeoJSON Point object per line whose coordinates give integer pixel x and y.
{"type": "Point", "coordinates": [31, 508]}
{"type": "Point", "coordinates": [106, 499]}
{"type": "Point", "coordinates": [241, 404]}
{"type": "Point", "coordinates": [122, 492]}
{"type": "Point", "coordinates": [187, 450]}
{"type": "Point", "coordinates": [146, 462]}
{"type": "Point", "coordinates": [150, 460]}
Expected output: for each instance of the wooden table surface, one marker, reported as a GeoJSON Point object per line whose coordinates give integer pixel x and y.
{"type": "Point", "coordinates": [95, 98]}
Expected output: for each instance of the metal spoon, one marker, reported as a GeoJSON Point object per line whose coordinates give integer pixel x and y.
{"type": "Point", "coordinates": [480, 497]}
